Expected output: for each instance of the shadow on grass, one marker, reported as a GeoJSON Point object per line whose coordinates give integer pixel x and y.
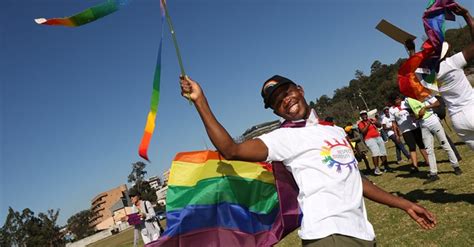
{"type": "Point", "coordinates": [436, 196]}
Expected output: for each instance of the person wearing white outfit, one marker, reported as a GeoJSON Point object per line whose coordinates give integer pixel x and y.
{"type": "Point", "coordinates": [331, 188]}
{"type": "Point", "coordinates": [430, 127]}
{"type": "Point", "coordinates": [149, 228]}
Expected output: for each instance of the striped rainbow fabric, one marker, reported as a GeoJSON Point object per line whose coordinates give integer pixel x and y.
{"type": "Point", "coordinates": [418, 73]}
{"type": "Point", "coordinates": [94, 13]}
{"type": "Point", "coordinates": [225, 203]}
{"type": "Point", "coordinates": [86, 16]}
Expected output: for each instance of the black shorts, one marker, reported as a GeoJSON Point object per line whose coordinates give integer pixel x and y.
{"type": "Point", "coordinates": [414, 138]}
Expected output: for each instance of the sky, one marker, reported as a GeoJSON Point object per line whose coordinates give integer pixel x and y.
{"type": "Point", "coordinates": [74, 101]}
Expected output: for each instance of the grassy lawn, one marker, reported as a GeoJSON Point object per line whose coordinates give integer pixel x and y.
{"type": "Point", "coordinates": [451, 199]}
{"type": "Point", "coordinates": [122, 239]}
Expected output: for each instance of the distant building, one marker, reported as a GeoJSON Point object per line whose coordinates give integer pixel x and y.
{"type": "Point", "coordinates": [161, 195]}
{"type": "Point", "coordinates": [166, 176]}
{"type": "Point", "coordinates": [258, 130]}
{"type": "Point", "coordinates": [101, 206]}
{"type": "Point", "coordinates": [154, 182]}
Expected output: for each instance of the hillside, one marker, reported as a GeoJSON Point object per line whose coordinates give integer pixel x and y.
{"type": "Point", "coordinates": [376, 88]}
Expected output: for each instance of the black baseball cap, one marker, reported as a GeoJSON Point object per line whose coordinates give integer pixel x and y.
{"type": "Point", "coordinates": [270, 85]}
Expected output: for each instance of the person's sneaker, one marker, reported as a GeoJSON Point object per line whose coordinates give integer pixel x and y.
{"type": "Point", "coordinates": [414, 170]}
{"type": "Point", "coordinates": [377, 172]}
{"type": "Point", "coordinates": [457, 171]}
{"type": "Point", "coordinates": [431, 178]}
{"type": "Point", "coordinates": [399, 162]}
{"type": "Point", "coordinates": [388, 169]}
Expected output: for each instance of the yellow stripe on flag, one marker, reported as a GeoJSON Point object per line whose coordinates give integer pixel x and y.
{"type": "Point", "coordinates": [188, 174]}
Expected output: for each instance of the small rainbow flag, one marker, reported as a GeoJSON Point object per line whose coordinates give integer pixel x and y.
{"type": "Point", "coordinates": [417, 75]}
{"type": "Point", "coordinates": [409, 82]}
{"type": "Point", "coordinates": [226, 203]}
{"type": "Point", "coordinates": [87, 15]}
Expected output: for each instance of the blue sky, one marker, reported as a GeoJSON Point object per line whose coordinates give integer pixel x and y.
{"type": "Point", "coordinates": [74, 101]}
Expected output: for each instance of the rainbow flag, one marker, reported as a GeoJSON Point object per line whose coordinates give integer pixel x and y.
{"type": "Point", "coordinates": [86, 16]}
{"type": "Point", "coordinates": [227, 203]}
{"type": "Point", "coordinates": [409, 82]}
{"type": "Point", "coordinates": [417, 75]}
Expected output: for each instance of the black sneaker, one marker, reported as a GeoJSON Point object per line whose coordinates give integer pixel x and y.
{"type": "Point", "coordinates": [457, 171]}
{"type": "Point", "coordinates": [431, 179]}
{"type": "Point", "coordinates": [388, 169]}
{"type": "Point", "coordinates": [414, 170]}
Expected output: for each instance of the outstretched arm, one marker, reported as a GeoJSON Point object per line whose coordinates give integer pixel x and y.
{"type": "Point", "coordinates": [423, 217]}
{"type": "Point", "coordinates": [251, 150]}
{"type": "Point", "coordinates": [468, 51]}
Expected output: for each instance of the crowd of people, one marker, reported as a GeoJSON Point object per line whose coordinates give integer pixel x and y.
{"type": "Point", "coordinates": [405, 122]}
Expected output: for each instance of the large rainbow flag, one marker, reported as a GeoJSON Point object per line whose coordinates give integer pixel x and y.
{"type": "Point", "coordinates": [227, 203]}
{"type": "Point", "coordinates": [418, 74]}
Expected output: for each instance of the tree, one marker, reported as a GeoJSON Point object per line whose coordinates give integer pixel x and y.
{"type": "Point", "coordinates": [25, 229]}
{"type": "Point", "coordinates": [78, 224]}
{"type": "Point", "coordinates": [138, 173]}
{"type": "Point", "coordinates": [146, 192]}
{"type": "Point", "coordinates": [137, 177]}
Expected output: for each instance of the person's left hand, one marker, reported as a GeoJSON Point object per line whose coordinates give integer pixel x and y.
{"type": "Point", "coordinates": [421, 113]}
{"type": "Point", "coordinates": [142, 215]}
{"type": "Point", "coordinates": [422, 216]}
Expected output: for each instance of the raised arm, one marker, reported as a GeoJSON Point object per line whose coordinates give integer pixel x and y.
{"type": "Point", "coordinates": [423, 217]}
{"type": "Point", "coordinates": [251, 150]}
{"type": "Point", "coordinates": [468, 51]}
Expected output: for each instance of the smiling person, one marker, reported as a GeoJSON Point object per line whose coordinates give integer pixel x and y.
{"type": "Point", "coordinates": [321, 161]}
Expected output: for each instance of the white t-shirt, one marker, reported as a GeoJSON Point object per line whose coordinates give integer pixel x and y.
{"type": "Point", "coordinates": [453, 85]}
{"type": "Point", "coordinates": [388, 123]}
{"type": "Point", "coordinates": [325, 169]}
{"type": "Point", "coordinates": [403, 118]}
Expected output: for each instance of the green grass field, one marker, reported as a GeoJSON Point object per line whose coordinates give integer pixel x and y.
{"type": "Point", "coordinates": [451, 199]}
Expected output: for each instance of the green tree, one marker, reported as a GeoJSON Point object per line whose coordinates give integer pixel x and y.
{"type": "Point", "coordinates": [25, 229]}
{"type": "Point", "coordinates": [137, 177]}
{"type": "Point", "coordinates": [138, 173]}
{"type": "Point", "coordinates": [78, 224]}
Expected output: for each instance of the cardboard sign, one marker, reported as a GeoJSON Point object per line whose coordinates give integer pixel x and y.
{"type": "Point", "coordinates": [394, 32]}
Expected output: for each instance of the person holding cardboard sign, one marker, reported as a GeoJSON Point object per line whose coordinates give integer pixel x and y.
{"type": "Point", "coordinates": [453, 85]}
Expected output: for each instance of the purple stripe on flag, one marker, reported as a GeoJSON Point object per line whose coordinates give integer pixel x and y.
{"type": "Point", "coordinates": [213, 237]}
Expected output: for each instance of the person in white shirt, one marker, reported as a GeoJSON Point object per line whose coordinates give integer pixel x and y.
{"type": "Point", "coordinates": [405, 124]}
{"type": "Point", "coordinates": [431, 126]}
{"type": "Point", "coordinates": [454, 86]}
{"type": "Point", "coordinates": [320, 159]}
{"type": "Point", "coordinates": [387, 127]}
{"type": "Point", "coordinates": [149, 227]}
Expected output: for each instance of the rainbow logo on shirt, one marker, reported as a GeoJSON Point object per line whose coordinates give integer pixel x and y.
{"type": "Point", "coordinates": [339, 154]}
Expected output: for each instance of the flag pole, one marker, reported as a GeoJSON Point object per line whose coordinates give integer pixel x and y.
{"type": "Point", "coordinates": [173, 35]}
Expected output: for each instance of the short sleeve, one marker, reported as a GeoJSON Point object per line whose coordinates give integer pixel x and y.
{"type": "Point", "coordinates": [392, 115]}
{"type": "Point", "coordinates": [457, 60]}
{"type": "Point", "coordinates": [278, 144]}
{"type": "Point", "coordinates": [431, 100]}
